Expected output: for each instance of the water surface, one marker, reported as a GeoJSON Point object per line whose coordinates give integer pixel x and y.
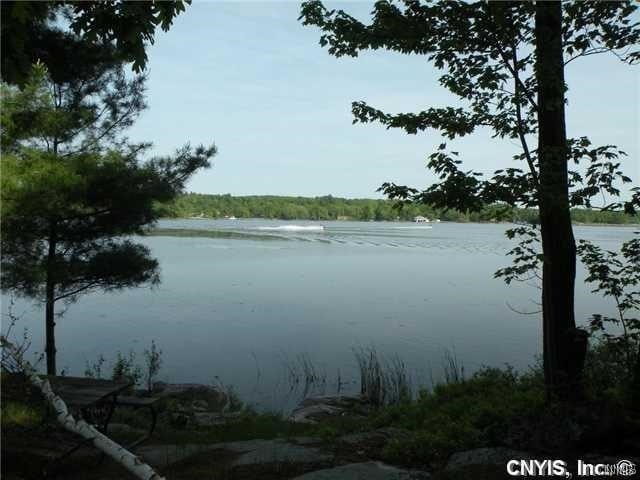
{"type": "Point", "coordinates": [241, 307]}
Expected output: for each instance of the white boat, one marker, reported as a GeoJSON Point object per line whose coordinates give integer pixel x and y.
{"type": "Point", "coordinates": [421, 219]}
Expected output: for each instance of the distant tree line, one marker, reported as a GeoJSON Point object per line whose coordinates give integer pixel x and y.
{"type": "Point", "coordinates": [335, 208]}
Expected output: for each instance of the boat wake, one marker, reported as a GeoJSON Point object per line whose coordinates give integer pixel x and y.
{"type": "Point", "coordinates": [414, 227]}
{"type": "Point", "coordinates": [294, 228]}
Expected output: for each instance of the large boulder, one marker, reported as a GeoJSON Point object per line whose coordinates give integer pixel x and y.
{"type": "Point", "coordinates": [186, 404]}
{"type": "Point", "coordinates": [196, 395]}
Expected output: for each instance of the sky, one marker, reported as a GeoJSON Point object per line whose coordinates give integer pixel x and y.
{"type": "Point", "coordinates": [249, 77]}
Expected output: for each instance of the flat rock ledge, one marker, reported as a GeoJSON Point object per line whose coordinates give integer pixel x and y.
{"type": "Point", "coordinates": [366, 470]}
{"type": "Point", "coordinates": [246, 453]}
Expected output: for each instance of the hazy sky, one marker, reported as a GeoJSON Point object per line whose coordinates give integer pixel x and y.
{"type": "Point", "coordinates": [249, 77]}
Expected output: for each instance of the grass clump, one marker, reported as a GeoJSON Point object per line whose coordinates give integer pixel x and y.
{"type": "Point", "coordinates": [16, 414]}
{"type": "Point", "coordinates": [22, 404]}
{"type": "Point", "coordinates": [383, 380]}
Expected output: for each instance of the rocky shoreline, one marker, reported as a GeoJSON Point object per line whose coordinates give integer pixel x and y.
{"type": "Point", "coordinates": [188, 411]}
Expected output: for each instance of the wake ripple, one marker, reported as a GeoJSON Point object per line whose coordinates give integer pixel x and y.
{"type": "Point", "coordinates": [293, 228]}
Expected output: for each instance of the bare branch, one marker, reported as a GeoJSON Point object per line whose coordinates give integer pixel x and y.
{"type": "Point", "coordinates": [521, 312]}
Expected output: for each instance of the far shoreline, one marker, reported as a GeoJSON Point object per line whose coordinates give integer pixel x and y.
{"type": "Point", "coordinates": [575, 224]}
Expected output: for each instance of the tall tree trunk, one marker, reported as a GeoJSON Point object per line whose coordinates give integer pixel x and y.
{"type": "Point", "coordinates": [564, 346]}
{"type": "Point", "coordinates": [50, 347]}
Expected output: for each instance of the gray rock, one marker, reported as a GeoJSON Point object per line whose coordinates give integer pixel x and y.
{"type": "Point", "coordinates": [161, 456]}
{"type": "Point", "coordinates": [314, 414]}
{"type": "Point", "coordinates": [124, 428]}
{"type": "Point", "coordinates": [164, 389]}
{"type": "Point", "coordinates": [365, 471]}
{"type": "Point", "coordinates": [249, 452]}
{"type": "Point", "coordinates": [485, 456]}
{"type": "Point", "coordinates": [306, 441]}
{"type": "Point", "coordinates": [253, 452]}
{"type": "Point", "coordinates": [313, 410]}
{"type": "Point", "coordinates": [199, 406]}
{"type": "Point", "coordinates": [196, 394]}
{"type": "Point", "coordinates": [339, 401]}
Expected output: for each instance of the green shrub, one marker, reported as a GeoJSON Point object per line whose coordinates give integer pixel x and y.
{"type": "Point", "coordinates": [153, 363]}
{"type": "Point", "coordinates": [465, 414]}
{"type": "Point", "coordinates": [608, 377]}
{"type": "Point", "coordinates": [125, 369]}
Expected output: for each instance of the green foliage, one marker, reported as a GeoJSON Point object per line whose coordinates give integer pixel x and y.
{"type": "Point", "coordinates": [616, 275]}
{"type": "Point", "coordinates": [74, 190]}
{"type": "Point", "coordinates": [527, 255]}
{"type": "Point", "coordinates": [153, 363]}
{"type": "Point", "coordinates": [484, 50]}
{"type": "Point", "coordinates": [94, 370]}
{"type": "Point", "coordinates": [125, 369]}
{"type": "Point", "coordinates": [20, 414]}
{"type": "Point", "coordinates": [335, 208]}
{"type": "Point", "coordinates": [120, 29]}
{"type": "Point", "coordinates": [607, 376]}
{"type": "Point", "coordinates": [327, 432]}
{"type": "Point", "coordinates": [22, 403]}
{"type": "Point", "coordinates": [466, 414]}
{"type": "Point", "coordinates": [289, 208]}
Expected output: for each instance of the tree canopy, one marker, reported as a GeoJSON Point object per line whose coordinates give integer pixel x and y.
{"type": "Point", "coordinates": [487, 54]}
{"type": "Point", "coordinates": [31, 31]}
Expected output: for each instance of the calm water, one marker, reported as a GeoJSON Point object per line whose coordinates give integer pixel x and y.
{"type": "Point", "coordinates": [240, 310]}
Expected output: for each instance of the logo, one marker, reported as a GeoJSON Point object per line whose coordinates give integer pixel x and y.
{"type": "Point", "coordinates": [538, 468]}
{"type": "Point", "coordinates": [559, 468]}
{"type": "Point", "coordinates": [625, 468]}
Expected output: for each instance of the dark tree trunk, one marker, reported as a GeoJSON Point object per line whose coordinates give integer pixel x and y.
{"type": "Point", "coordinates": [564, 346]}
{"type": "Point", "coordinates": [50, 347]}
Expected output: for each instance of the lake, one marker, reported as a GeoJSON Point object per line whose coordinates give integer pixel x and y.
{"type": "Point", "coordinates": [242, 309]}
